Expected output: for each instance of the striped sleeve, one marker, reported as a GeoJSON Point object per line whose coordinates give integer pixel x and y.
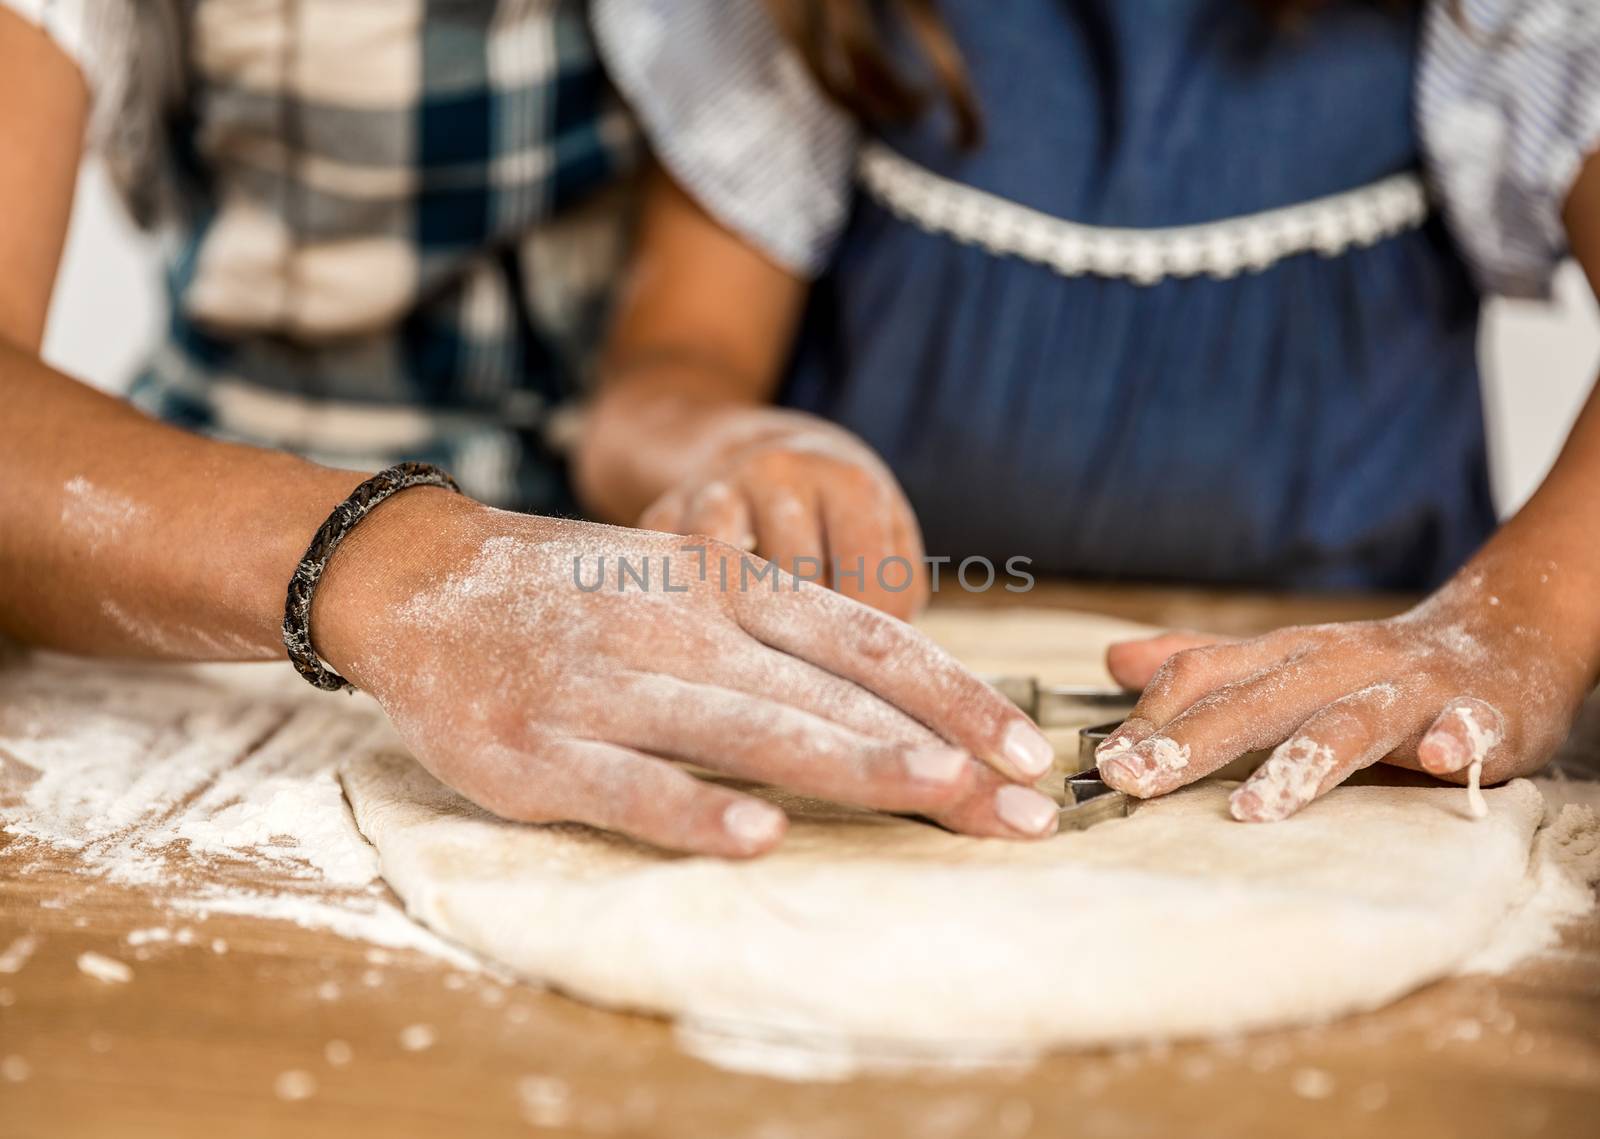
{"type": "Point", "coordinates": [732, 114]}
{"type": "Point", "coordinates": [98, 36]}
{"type": "Point", "coordinates": [1508, 106]}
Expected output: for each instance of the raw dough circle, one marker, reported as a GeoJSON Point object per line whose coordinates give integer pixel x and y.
{"type": "Point", "coordinates": [889, 934]}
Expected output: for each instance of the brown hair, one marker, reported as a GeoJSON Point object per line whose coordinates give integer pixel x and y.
{"type": "Point", "coordinates": [843, 45]}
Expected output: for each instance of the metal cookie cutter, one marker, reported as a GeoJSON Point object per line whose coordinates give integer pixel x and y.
{"type": "Point", "coordinates": [1091, 738]}
{"type": "Point", "coordinates": [1089, 800]}
{"type": "Point", "coordinates": [1061, 705]}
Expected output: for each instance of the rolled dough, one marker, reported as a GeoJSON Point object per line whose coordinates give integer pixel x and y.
{"type": "Point", "coordinates": [890, 935]}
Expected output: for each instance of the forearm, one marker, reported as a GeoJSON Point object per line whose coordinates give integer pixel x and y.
{"type": "Point", "coordinates": [1545, 561]}
{"type": "Point", "coordinates": [701, 330]}
{"type": "Point", "coordinates": [118, 534]}
{"type": "Point", "coordinates": [121, 535]}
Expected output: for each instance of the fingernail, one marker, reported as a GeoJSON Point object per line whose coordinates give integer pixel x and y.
{"type": "Point", "coordinates": [1116, 773]}
{"type": "Point", "coordinates": [1026, 749]}
{"type": "Point", "coordinates": [754, 824]}
{"type": "Point", "coordinates": [1445, 753]}
{"type": "Point", "coordinates": [1117, 744]}
{"type": "Point", "coordinates": [1245, 805]}
{"type": "Point", "coordinates": [1140, 769]}
{"type": "Point", "coordinates": [1263, 804]}
{"type": "Point", "coordinates": [1273, 793]}
{"type": "Point", "coordinates": [1024, 810]}
{"type": "Point", "coordinates": [936, 764]}
{"type": "Point", "coordinates": [1287, 781]}
{"type": "Point", "coordinates": [1158, 754]}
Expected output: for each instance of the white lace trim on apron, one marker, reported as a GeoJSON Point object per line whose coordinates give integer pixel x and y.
{"type": "Point", "coordinates": [1226, 248]}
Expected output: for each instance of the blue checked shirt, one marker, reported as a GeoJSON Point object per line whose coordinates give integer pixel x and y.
{"type": "Point", "coordinates": [399, 220]}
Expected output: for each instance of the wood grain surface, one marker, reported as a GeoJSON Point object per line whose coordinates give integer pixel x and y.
{"type": "Point", "coordinates": [295, 1031]}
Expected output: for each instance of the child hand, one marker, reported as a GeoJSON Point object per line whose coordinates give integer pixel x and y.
{"type": "Point", "coordinates": [519, 678]}
{"type": "Point", "coordinates": [810, 497]}
{"type": "Point", "coordinates": [1468, 677]}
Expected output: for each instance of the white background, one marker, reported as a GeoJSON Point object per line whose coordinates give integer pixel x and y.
{"type": "Point", "coordinates": [1540, 360]}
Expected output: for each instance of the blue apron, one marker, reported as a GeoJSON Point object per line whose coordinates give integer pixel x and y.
{"type": "Point", "coordinates": [1314, 425]}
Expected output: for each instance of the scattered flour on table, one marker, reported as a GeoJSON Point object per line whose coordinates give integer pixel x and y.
{"type": "Point", "coordinates": [1312, 1083]}
{"type": "Point", "coordinates": [103, 968]}
{"type": "Point", "coordinates": [418, 1037]}
{"type": "Point", "coordinates": [175, 779]}
{"type": "Point", "coordinates": [802, 1058]}
{"type": "Point", "coordinates": [16, 955]}
{"type": "Point", "coordinates": [546, 1100]}
{"type": "Point", "coordinates": [294, 1085]}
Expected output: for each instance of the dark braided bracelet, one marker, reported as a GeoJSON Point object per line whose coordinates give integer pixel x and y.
{"type": "Point", "coordinates": [303, 585]}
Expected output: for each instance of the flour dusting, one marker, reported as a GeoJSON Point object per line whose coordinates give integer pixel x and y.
{"type": "Point", "coordinates": [1560, 887]}
{"type": "Point", "coordinates": [103, 968]}
{"type": "Point", "coordinates": [174, 779]}
{"type": "Point", "coordinates": [831, 1058]}
{"type": "Point", "coordinates": [1287, 781]}
{"type": "Point", "coordinates": [1476, 807]}
{"type": "Point", "coordinates": [16, 955]}
{"type": "Point", "coordinates": [95, 516]}
{"type": "Point", "coordinates": [1481, 739]}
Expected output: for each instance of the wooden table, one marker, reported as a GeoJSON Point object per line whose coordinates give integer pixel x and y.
{"type": "Point", "coordinates": [198, 1045]}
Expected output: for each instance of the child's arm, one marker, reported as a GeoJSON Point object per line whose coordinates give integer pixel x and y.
{"type": "Point", "coordinates": [1491, 669]}
{"type": "Point", "coordinates": [683, 436]}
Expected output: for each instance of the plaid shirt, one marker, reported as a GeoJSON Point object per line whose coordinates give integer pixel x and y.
{"type": "Point", "coordinates": [400, 221]}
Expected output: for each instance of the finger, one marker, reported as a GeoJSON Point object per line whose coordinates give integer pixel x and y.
{"type": "Point", "coordinates": [778, 676]}
{"type": "Point", "coordinates": [665, 513]}
{"type": "Point", "coordinates": [1189, 675]}
{"type": "Point", "coordinates": [757, 739]}
{"type": "Point", "coordinates": [1469, 731]}
{"type": "Point", "coordinates": [719, 511]}
{"type": "Point", "coordinates": [908, 540]}
{"type": "Point", "coordinates": [789, 531]}
{"type": "Point", "coordinates": [899, 664]}
{"type": "Point", "coordinates": [585, 781]}
{"type": "Point", "coordinates": [994, 807]}
{"type": "Point", "coordinates": [1256, 712]}
{"type": "Point", "coordinates": [1133, 663]}
{"type": "Point", "coordinates": [858, 527]}
{"type": "Point", "coordinates": [1349, 734]}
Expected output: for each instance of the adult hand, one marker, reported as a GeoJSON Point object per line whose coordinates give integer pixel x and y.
{"type": "Point", "coordinates": [1478, 675]}
{"type": "Point", "coordinates": [527, 668]}
{"type": "Point", "coordinates": [809, 496]}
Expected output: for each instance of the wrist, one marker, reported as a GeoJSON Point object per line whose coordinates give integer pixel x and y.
{"type": "Point", "coordinates": [639, 443]}
{"type": "Point", "coordinates": [407, 543]}
{"type": "Point", "coordinates": [1518, 586]}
